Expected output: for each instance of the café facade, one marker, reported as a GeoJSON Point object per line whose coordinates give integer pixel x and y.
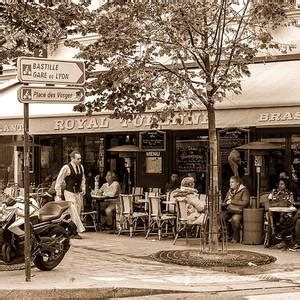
{"type": "Point", "coordinates": [174, 145]}
{"type": "Point", "coordinates": [268, 109]}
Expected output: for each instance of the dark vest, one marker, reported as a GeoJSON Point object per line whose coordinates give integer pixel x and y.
{"type": "Point", "coordinates": [73, 181]}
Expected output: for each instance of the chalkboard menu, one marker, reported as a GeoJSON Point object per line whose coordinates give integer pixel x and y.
{"type": "Point", "coordinates": [153, 140]}
{"type": "Point", "coordinates": [230, 139]}
{"type": "Point", "coordinates": [191, 157]}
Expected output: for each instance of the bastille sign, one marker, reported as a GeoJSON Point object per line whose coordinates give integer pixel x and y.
{"type": "Point", "coordinates": [39, 94]}
{"type": "Point", "coordinates": [41, 70]}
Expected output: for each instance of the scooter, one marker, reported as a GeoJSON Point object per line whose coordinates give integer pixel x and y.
{"type": "Point", "coordinates": [51, 228]}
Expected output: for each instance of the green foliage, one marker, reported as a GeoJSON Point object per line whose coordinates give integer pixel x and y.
{"type": "Point", "coordinates": [27, 26]}
{"type": "Point", "coordinates": [164, 55]}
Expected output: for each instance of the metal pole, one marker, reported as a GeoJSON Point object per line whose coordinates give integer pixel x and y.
{"type": "Point", "coordinates": [27, 250]}
{"type": "Point", "coordinates": [258, 188]}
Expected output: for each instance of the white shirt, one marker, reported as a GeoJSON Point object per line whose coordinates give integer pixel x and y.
{"type": "Point", "coordinates": [111, 190]}
{"type": "Point", "coordinates": [64, 172]}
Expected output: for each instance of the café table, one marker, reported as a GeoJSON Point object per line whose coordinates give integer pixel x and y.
{"type": "Point", "coordinates": [96, 204]}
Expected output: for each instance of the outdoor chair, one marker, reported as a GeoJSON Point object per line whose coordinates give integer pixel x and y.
{"type": "Point", "coordinates": [184, 225]}
{"type": "Point", "coordinates": [155, 190]}
{"type": "Point", "coordinates": [129, 216]}
{"type": "Point", "coordinates": [156, 218]}
{"type": "Point", "coordinates": [137, 191]}
{"type": "Point", "coordinates": [93, 216]}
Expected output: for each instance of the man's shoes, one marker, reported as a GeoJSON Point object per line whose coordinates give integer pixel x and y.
{"type": "Point", "coordinates": [77, 237]}
{"type": "Point", "coordinates": [294, 247]}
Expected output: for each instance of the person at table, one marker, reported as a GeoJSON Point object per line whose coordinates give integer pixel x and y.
{"type": "Point", "coordinates": [173, 183]}
{"type": "Point", "coordinates": [72, 175]}
{"type": "Point", "coordinates": [283, 222]}
{"type": "Point", "coordinates": [237, 198]}
{"type": "Point", "coordinates": [188, 194]}
{"type": "Point", "coordinates": [111, 188]}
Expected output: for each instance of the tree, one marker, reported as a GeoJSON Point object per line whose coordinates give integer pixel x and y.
{"type": "Point", "coordinates": [180, 55]}
{"type": "Point", "coordinates": [28, 25]}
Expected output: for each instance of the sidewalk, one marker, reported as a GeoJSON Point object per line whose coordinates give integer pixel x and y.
{"type": "Point", "coordinates": [108, 265]}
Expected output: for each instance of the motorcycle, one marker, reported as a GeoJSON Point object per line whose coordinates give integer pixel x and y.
{"type": "Point", "coordinates": [51, 228]}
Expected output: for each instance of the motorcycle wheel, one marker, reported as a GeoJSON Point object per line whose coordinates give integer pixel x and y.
{"type": "Point", "coordinates": [45, 260]}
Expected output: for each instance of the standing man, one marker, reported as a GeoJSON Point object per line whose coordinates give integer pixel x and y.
{"type": "Point", "coordinates": [73, 176]}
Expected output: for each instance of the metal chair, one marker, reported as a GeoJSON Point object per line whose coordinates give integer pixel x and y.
{"type": "Point", "coordinates": [183, 224]}
{"type": "Point", "coordinates": [129, 216]}
{"type": "Point", "coordinates": [157, 218]}
{"type": "Point", "coordinates": [89, 214]}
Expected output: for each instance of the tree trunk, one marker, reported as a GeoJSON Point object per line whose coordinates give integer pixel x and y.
{"type": "Point", "coordinates": [213, 180]}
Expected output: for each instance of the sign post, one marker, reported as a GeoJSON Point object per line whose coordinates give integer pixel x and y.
{"type": "Point", "coordinates": [44, 71]}
{"type": "Point", "coordinates": [27, 248]}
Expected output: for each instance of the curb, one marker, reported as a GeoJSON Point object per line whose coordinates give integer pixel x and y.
{"type": "Point", "coordinates": [83, 293]}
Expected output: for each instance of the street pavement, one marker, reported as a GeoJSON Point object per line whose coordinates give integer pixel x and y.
{"type": "Point", "coordinates": [104, 265]}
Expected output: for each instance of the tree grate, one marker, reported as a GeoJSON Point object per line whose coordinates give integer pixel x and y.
{"type": "Point", "coordinates": [196, 258]}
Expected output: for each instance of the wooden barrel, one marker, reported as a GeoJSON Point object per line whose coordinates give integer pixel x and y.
{"type": "Point", "coordinates": [253, 222]}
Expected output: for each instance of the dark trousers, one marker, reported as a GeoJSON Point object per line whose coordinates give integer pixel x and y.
{"type": "Point", "coordinates": [233, 224]}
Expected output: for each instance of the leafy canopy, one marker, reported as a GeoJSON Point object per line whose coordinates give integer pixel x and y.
{"type": "Point", "coordinates": [170, 55]}
{"type": "Point", "coordinates": [26, 26]}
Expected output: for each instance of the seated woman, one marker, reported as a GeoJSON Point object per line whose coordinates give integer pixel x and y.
{"type": "Point", "coordinates": [111, 188]}
{"type": "Point", "coordinates": [188, 193]}
{"type": "Point", "coordinates": [236, 199]}
{"type": "Point", "coordinates": [283, 222]}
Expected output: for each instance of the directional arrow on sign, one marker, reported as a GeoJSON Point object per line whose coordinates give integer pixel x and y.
{"type": "Point", "coordinates": [41, 70]}
{"type": "Point", "coordinates": [37, 94]}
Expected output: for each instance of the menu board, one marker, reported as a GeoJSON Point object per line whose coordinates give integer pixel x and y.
{"type": "Point", "coordinates": [153, 140]}
{"type": "Point", "coordinates": [191, 157]}
{"type": "Point", "coordinates": [229, 139]}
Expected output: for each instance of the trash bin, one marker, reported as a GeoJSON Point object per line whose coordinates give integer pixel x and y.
{"type": "Point", "coordinates": [253, 222]}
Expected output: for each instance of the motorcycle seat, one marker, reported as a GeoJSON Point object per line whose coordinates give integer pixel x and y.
{"type": "Point", "coordinates": [52, 210]}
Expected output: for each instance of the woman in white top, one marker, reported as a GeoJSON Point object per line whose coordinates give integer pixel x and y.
{"type": "Point", "coordinates": [111, 188]}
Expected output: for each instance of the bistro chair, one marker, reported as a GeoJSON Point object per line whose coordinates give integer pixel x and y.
{"type": "Point", "coordinates": [93, 216]}
{"type": "Point", "coordinates": [155, 190]}
{"type": "Point", "coordinates": [184, 225]}
{"type": "Point", "coordinates": [137, 191]}
{"type": "Point", "coordinates": [157, 218]}
{"type": "Point", "coordinates": [129, 216]}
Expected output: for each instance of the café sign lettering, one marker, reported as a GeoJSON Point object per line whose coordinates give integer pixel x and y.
{"type": "Point", "coordinates": [11, 128]}
{"type": "Point", "coordinates": [276, 116]}
{"type": "Point", "coordinates": [97, 122]}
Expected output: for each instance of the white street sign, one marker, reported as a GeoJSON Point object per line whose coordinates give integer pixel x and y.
{"type": "Point", "coordinates": [42, 70]}
{"type": "Point", "coordinates": [37, 94]}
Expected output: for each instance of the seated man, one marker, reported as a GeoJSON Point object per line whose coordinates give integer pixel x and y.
{"type": "Point", "coordinates": [236, 199]}
{"type": "Point", "coordinates": [111, 188]}
{"type": "Point", "coordinates": [174, 182]}
{"type": "Point", "coordinates": [283, 222]}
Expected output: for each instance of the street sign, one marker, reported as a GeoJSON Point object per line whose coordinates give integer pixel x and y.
{"type": "Point", "coordinates": [40, 52]}
{"type": "Point", "coordinates": [39, 94]}
{"type": "Point", "coordinates": [41, 70]}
